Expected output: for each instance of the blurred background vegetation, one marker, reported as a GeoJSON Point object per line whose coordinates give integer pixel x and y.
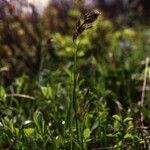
{"type": "Point", "coordinates": [36, 60]}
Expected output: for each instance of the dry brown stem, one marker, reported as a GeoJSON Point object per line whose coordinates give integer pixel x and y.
{"type": "Point", "coordinates": [21, 96]}
{"type": "Point", "coordinates": [143, 89]}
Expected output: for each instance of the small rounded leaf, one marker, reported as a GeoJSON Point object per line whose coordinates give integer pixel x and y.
{"type": "Point", "coordinates": [86, 133]}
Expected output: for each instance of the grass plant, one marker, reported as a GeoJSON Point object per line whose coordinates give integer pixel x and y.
{"type": "Point", "coordinates": [91, 93]}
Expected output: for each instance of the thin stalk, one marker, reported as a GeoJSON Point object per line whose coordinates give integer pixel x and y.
{"type": "Point", "coordinates": [74, 98]}
{"type": "Point", "coordinates": [70, 124]}
{"type": "Point", "coordinates": [144, 89]}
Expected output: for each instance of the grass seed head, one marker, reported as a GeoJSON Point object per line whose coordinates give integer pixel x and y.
{"type": "Point", "coordinates": [85, 22]}
{"type": "Point", "coordinates": [91, 16]}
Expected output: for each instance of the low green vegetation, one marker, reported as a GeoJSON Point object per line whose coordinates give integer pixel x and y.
{"type": "Point", "coordinates": [90, 102]}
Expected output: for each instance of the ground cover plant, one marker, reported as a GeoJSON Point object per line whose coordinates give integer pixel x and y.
{"type": "Point", "coordinates": [88, 90]}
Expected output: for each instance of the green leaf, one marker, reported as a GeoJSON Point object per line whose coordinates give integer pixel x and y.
{"type": "Point", "coordinates": [86, 133]}
{"type": "Point", "coordinates": [17, 131]}
{"type": "Point", "coordinates": [28, 131]}
{"type": "Point", "coordinates": [128, 136]}
{"type": "Point", "coordinates": [47, 92]}
{"type": "Point", "coordinates": [130, 128]}
{"type": "Point", "coordinates": [142, 142]}
{"type": "Point", "coordinates": [95, 125]}
{"type": "Point", "coordinates": [117, 117]}
{"type": "Point", "coordinates": [36, 118]}
{"type": "Point", "coordinates": [69, 73]}
{"type": "Point", "coordinates": [112, 135]}
{"type": "Point", "coordinates": [59, 141]}
{"type": "Point", "coordinates": [2, 93]}
{"type": "Point", "coordinates": [148, 70]}
{"type": "Point", "coordinates": [127, 119]}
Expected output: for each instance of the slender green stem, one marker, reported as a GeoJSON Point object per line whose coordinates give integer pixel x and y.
{"type": "Point", "coordinates": [74, 90]}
